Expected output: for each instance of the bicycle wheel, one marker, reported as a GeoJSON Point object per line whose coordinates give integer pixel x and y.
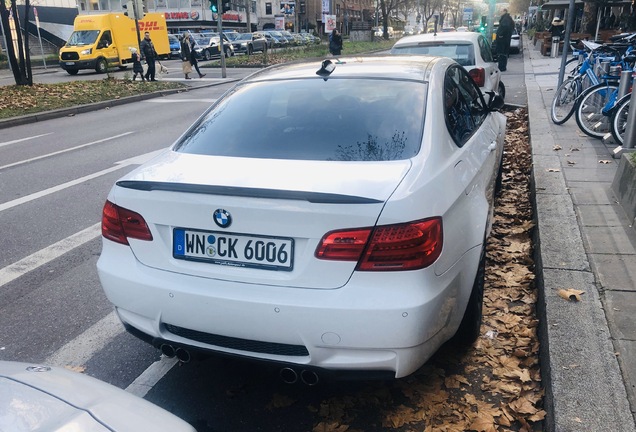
{"type": "Point", "coordinates": [619, 120]}
{"type": "Point", "coordinates": [564, 100]}
{"type": "Point", "coordinates": [590, 106]}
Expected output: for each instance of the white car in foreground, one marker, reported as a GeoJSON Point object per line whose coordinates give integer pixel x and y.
{"type": "Point", "coordinates": [470, 49]}
{"type": "Point", "coordinates": [341, 230]}
{"type": "Point", "coordinates": [44, 398]}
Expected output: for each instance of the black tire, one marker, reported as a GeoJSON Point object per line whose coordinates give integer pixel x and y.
{"type": "Point", "coordinates": [122, 67]}
{"type": "Point", "coordinates": [250, 50]}
{"type": "Point", "coordinates": [501, 89]}
{"type": "Point", "coordinates": [101, 66]}
{"type": "Point", "coordinates": [564, 101]}
{"type": "Point", "coordinates": [589, 109]}
{"type": "Point", "coordinates": [469, 329]}
{"type": "Point", "coordinates": [227, 52]}
{"type": "Point", "coordinates": [72, 71]}
{"type": "Point", "coordinates": [619, 119]}
{"type": "Point", "coordinates": [207, 55]}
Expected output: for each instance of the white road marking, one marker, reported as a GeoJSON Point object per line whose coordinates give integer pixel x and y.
{"type": "Point", "coordinates": [159, 100]}
{"type": "Point", "coordinates": [43, 256]}
{"type": "Point", "coordinates": [64, 151]}
{"type": "Point", "coordinates": [23, 139]}
{"type": "Point", "coordinates": [151, 376]}
{"type": "Point", "coordinates": [137, 160]}
{"type": "Point", "coordinates": [80, 350]}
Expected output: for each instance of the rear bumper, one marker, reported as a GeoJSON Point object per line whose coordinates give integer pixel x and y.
{"type": "Point", "coordinates": [370, 324]}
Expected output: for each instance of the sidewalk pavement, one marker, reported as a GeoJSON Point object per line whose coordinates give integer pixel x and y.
{"type": "Point", "coordinates": [583, 241]}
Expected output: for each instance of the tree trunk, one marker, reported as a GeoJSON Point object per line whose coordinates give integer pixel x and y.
{"type": "Point", "coordinates": [4, 15]}
{"type": "Point", "coordinates": [27, 72]}
{"type": "Point", "coordinates": [588, 21]}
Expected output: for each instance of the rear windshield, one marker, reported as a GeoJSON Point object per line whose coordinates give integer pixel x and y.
{"type": "Point", "coordinates": [314, 119]}
{"type": "Point", "coordinates": [462, 53]}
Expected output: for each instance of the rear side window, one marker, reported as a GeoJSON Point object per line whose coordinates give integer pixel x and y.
{"type": "Point", "coordinates": [313, 119]}
{"type": "Point", "coordinates": [463, 105]}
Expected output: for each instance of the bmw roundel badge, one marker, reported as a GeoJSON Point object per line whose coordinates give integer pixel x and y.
{"type": "Point", "coordinates": [222, 218]}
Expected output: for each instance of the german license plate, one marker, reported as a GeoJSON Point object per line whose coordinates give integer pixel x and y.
{"type": "Point", "coordinates": [231, 249]}
{"type": "Point", "coordinates": [70, 63]}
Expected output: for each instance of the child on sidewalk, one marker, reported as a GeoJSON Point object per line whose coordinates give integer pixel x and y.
{"type": "Point", "coordinates": [137, 66]}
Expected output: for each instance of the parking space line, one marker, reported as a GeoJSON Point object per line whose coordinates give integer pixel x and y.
{"type": "Point", "coordinates": [137, 160]}
{"type": "Point", "coordinates": [23, 139]}
{"type": "Point", "coordinates": [62, 151]}
{"type": "Point", "coordinates": [151, 376]}
{"type": "Point", "coordinates": [43, 256]}
{"type": "Point", "coordinates": [81, 349]}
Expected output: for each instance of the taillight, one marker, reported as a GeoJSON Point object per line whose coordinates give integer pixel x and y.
{"type": "Point", "coordinates": [119, 224]}
{"type": "Point", "coordinates": [408, 246]}
{"type": "Point", "coordinates": [478, 75]}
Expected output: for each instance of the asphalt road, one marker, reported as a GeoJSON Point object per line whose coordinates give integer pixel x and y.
{"type": "Point", "coordinates": [54, 178]}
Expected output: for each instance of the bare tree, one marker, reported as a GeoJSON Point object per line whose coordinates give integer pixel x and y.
{"type": "Point", "coordinates": [20, 62]}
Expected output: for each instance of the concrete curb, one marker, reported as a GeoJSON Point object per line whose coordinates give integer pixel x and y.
{"type": "Point", "coordinates": [584, 388]}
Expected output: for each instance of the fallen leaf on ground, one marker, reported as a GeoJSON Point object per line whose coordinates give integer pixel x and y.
{"type": "Point", "coordinates": [557, 147]}
{"type": "Point", "coordinates": [553, 170]}
{"type": "Point", "coordinates": [571, 294]}
{"type": "Point", "coordinates": [604, 161]}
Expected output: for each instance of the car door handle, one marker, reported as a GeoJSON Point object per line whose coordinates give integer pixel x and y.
{"type": "Point", "coordinates": [492, 146]}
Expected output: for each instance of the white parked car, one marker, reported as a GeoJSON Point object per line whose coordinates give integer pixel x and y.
{"type": "Point", "coordinates": [470, 49]}
{"type": "Point", "coordinates": [345, 235]}
{"type": "Point", "coordinates": [45, 398]}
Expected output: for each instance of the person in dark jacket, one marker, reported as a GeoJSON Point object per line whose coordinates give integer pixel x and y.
{"type": "Point", "coordinates": [504, 35]}
{"type": "Point", "coordinates": [150, 55]}
{"type": "Point", "coordinates": [335, 42]}
{"type": "Point", "coordinates": [557, 27]}
{"type": "Point", "coordinates": [185, 54]}
{"type": "Point", "coordinates": [193, 55]}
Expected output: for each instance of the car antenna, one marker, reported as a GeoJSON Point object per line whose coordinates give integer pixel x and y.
{"type": "Point", "coordinates": [326, 69]}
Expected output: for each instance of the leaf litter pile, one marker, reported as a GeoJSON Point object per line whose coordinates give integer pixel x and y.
{"type": "Point", "coordinates": [495, 385]}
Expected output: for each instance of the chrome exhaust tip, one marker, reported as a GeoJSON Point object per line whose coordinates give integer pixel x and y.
{"type": "Point", "coordinates": [182, 355]}
{"type": "Point", "coordinates": [288, 375]}
{"type": "Point", "coordinates": [309, 377]}
{"type": "Point", "coordinates": [167, 350]}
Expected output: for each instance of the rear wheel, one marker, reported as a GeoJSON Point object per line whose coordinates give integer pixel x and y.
{"type": "Point", "coordinates": [564, 101]}
{"type": "Point", "coordinates": [207, 55]}
{"type": "Point", "coordinates": [501, 89]}
{"type": "Point", "coordinates": [619, 120]}
{"type": "Point", "coordinates": [470, 326]}
{"type": "Point", "coordinates": [590, 109]}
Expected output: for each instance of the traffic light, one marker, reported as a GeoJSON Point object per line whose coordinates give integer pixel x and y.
{"type": "Point", "coordinates": [140, 9]}
{"type": "Point", "coordinates": [227, 5]}
{"type": "Point", "coordinates": [213, 6]}
{"type": "Point", "coordinates": [129, 9]}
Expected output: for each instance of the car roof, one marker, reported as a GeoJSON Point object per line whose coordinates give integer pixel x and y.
{"type": "Point", "coordinates": [400, 67]}
{"type": "Point", "coordinates": [471, 37]}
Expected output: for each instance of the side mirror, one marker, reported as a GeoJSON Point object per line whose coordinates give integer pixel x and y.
{"type": "Point", "coordinates": [495, 101]}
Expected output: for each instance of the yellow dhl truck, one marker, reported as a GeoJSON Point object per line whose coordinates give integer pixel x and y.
{"type": "Point", "coordinates": [103, 41]}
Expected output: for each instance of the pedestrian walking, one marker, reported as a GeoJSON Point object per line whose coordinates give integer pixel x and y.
{"type": "Point", "coordinates": [137, 66]}
{"type": "Point", "coordinates": [149, 53]}
{"type": "Point", "coordinates": [185, 55]}
{"type": "Point", "coordinates": [504, 35]}
{"type": "Point", "coordinates": [193, 56]}
{"type": "Point", "coordinates": [335, 42]}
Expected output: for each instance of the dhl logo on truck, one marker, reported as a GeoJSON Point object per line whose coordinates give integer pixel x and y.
{"type": "Point", "coordinates": [149, 25]}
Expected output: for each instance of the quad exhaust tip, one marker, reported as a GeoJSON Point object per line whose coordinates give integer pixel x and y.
{"type": "Point", "coordinates": [291, 376]}
{"type": "Point", "coordinates": [169, 351]}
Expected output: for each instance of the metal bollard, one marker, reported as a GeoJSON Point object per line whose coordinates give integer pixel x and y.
{"type": "Point", "coordinates": [625, 83]}
{"type": "Point", "coordinates": [630, 131]}
{"type": "Point", "coordinates": [554, 49]}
